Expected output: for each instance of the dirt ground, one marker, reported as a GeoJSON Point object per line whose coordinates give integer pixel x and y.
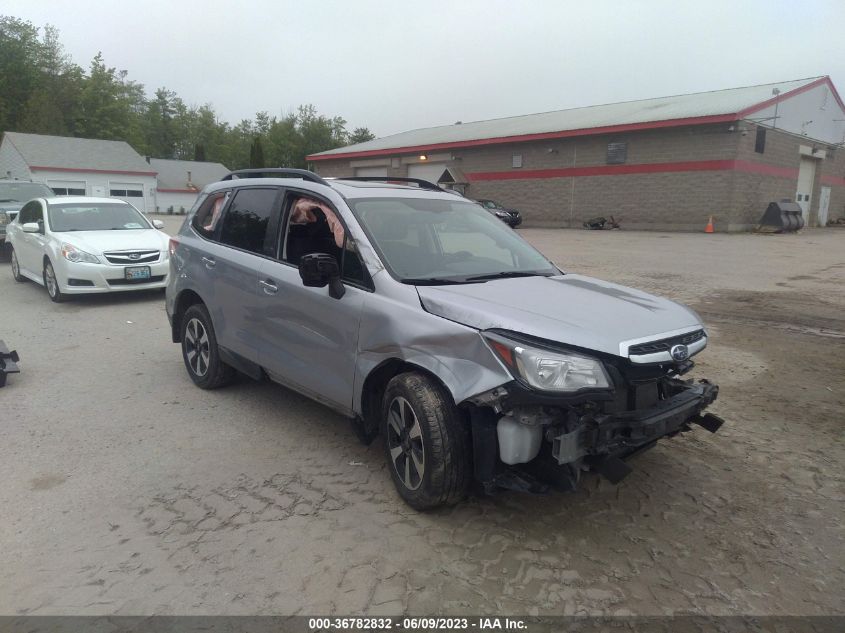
{"type": "Point", "coordinates": [126, 490]}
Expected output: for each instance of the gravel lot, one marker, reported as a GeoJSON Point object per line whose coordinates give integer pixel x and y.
{"type": "Point", "coordinates": [126, 490]}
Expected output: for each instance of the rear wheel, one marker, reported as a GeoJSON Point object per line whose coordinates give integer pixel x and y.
{"type": "Point", "coordinates": [426, 442]}
{"type": "Point", "coordinates": [51, 283]}
{"type": "Point", "coordinates": [200, 351]}
{"type": "Point", "coordinates": [16, 267]}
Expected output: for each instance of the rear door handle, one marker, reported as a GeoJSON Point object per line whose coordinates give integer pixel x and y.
{"type": "Point", "coordinates": [269, 287]}
{"type": "Point", "coordinates": [209, 263]}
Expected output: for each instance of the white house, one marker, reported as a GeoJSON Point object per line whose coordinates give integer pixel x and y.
{"type": "Point", "coordinates": [80, 167]}
{"type": "Point", "coordinates": [179, 182]}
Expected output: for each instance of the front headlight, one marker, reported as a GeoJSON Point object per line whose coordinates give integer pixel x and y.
{"type": "Point", "coordinates": [73, 254]}
{"type": "Point", "coordinates": [547, 370]}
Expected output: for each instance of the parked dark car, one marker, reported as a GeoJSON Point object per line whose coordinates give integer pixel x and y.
{"type": "Point", "coordinates": [13, 195]}
{"type": "Point", "coordinates": [511, 217]}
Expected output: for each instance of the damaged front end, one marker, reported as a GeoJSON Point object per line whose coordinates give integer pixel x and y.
{"type": "Point", "coordinates": [528, 439]}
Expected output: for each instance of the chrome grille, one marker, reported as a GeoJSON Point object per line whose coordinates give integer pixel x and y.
{"type": "Point", "coordinates": [665, 344]}
{"type": "Point", "coordinates": [128, 258]}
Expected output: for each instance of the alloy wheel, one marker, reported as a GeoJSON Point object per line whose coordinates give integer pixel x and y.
{"type": "Point", "coordinates": [196, 347]}
{"type": "Point", "coordinates": [50, 280]}
{"type": "Point", "coordinates": [405, 443]}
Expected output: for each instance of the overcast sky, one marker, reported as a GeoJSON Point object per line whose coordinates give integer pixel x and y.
{"type": "Point", "coordinates": [396, 65]}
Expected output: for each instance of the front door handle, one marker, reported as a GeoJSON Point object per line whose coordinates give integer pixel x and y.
{"type": "Point", "coordinates": [269, 287]}
{"type": "Point", "coordinates": [209, 263]}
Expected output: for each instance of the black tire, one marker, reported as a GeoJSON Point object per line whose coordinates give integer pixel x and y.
{"type": "Point", "coordinates": [200, 351]}
{"type": "Point", "coordinates": [53, 290]}
{"type": "Point", "coordinates": [441, 443]}
{"type": "Point", "coordinates": [16, 267]}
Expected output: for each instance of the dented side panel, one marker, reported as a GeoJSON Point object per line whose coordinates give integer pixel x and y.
{"type": "Point", "coordinates": [393, 326]}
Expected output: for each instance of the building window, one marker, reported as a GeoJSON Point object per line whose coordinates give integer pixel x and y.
{"type": "Point", "coordinates": [66, 191]}
{"type": "Point", "coordinates": [617, 153]}
{"type": "Point", "coordinates": [760, 140]}
{"type": "Point", "coordinates": [126, 193]}
{"type": "Point", "coordinates": [517, 160]}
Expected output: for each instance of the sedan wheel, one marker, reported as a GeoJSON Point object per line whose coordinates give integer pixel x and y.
{"type": "Point", "coordinates": [16, 268]}
{"type": "Point", "coordinates": [51, 283]}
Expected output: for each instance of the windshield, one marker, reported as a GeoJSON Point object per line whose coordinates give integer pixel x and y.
{"type": "Point", "coordinates": [444, 241]}
{"type": "Point", "coordinates": [23, 191]}
{"type": "Point", "coordinates": [95, 216]}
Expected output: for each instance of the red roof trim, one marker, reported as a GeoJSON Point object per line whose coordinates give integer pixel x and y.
{"type": "Point", "coordinates": [643, 168]}
{"type": "Point", "coordinates": [607, 129]}
{"type": "Point", "coordinates": [797, 91]}
{"type": "Point", "coordinates": [766, 170]}
{"type": "Point", "coordinates": [94, 171]}
{"type": "Point", "coordinates": [836, 181]}
{"type": "Point", "coordinates": [178, 190]}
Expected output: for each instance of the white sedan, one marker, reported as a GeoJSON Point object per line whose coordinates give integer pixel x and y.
{"type": "Point", "coordinates": [87, 245]}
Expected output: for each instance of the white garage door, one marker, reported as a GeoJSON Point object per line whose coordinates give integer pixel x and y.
{"type": "Point", "coordinates": [67, 187]}
{"type": "Point", "coordinates": [132, 192]}
{"type": "Point", "coordinates": [371, 171]}
{"type": "Point", "coordinates": [427, 171]}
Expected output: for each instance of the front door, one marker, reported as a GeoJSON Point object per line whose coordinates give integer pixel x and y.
{"type": "Point", "coordinates": [308, 340]}
{"type": "Point", "coordinates": [29, 247]}
{"type": "Point", "coordinates": [804, 195]}
{"type": "Point", "coordinates": [824, 205]}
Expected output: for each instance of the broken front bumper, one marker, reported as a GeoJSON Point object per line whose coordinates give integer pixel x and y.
{"type": "Point", "coordinates": [622, 433]}
{"type": "Point", "coordinates": [578, 433]}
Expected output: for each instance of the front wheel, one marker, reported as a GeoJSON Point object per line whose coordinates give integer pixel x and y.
{"type": "Point", "coordinates": [52, 283]}
{"type": "Point", "coordinates": [426, 442]}
{"type": "Point", "coordinates": [16, 267]}
{"type": "Point", "coordinates": [200, 351]}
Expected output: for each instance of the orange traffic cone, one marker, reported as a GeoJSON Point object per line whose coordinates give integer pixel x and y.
{"type": "Point", "coordinates": [709, 227]}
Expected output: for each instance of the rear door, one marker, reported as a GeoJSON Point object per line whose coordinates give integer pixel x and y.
{"type": "Point", "coordinates": [229, 267]}
{"type": "Point", "coordinates": [309, 340]}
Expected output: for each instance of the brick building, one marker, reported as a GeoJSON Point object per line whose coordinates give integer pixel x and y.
{"type": "Point", "coordinates": [664, 164]}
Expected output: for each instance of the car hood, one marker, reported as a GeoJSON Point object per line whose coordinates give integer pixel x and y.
{"type": "Point", "coordinates": [11, 207]}
{"type": "Point", "coordinates": [570, 309]}
{"type": "Point", "coordinates": [97, 242]}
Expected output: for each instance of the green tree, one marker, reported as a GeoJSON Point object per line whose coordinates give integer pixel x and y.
{"type": "Point", "coordinates": [104, 107]}
{"type": "Point", "coordinates": [256, 154]}
{"type": "Point", "coordinates": [19, 72]}
{"type": "Point", "coordinates": [360, 135]}
{"type": "Point", "coordinates": [199, 152]}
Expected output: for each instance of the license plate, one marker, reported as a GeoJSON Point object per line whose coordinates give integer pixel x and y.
{"type": "Point", "coordinates": [134, 273]}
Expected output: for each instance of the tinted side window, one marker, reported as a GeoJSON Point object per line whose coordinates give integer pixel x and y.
{"type": "Point", "coordinates": [31, 212]}
{"type": "Point", "coordinates": [208, 215]}
{"type": "Point", "coordinates": [246, 221]}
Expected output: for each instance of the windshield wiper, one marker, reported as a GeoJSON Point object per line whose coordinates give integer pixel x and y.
{"type": "Point", "coordinates": [508, 273]}
{"type": "Point", "coordinates": [432, 281]}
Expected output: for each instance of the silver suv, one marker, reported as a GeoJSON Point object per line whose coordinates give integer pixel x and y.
{"type": "Point", "coordinates": [426, 320]}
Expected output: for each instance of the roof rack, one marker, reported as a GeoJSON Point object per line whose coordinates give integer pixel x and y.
{"type": "Point", "coordinates": [423, 184]}
{"type": "Point", "coordinates": [275, 171]}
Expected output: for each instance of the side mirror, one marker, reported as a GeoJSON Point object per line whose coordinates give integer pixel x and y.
{"type": "Point", "coordinates": [318, 270]}
{"type": "Point", "coordinates": [31, 227]}
{"type": "Point", "coordinates": [158, 224]}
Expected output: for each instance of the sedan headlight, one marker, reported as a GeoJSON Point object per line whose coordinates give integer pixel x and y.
{"type": "Point", "coordinates": [4, 218]}
{"type": "Point", "coordinates": [548, 370]}
{"type": "Point", "coordinates": [73, 254]}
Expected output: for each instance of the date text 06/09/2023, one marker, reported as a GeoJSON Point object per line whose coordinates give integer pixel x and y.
{"type": "Point", "coordinates": [416, 624]}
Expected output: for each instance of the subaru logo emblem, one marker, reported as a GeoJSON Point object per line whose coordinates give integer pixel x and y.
{"type": "Point", "coordinates": [679, 353]}
{"type": "Point", "coordinates": [138, 256]}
